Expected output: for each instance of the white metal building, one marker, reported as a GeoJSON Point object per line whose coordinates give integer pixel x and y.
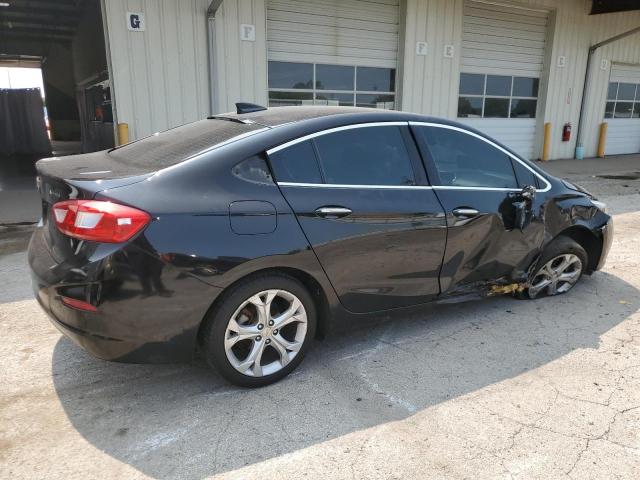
{"type": "Point", "coordinates": [506, 67]}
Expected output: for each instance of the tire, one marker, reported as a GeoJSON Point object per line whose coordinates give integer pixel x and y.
{"type": "Point", "coordinates": [559, 269]}
{"type": "Point", "coordinates": [239, 325]}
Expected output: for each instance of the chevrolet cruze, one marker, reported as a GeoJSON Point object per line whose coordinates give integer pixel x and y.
{"type": "Point", "coordinates": [246, 235]}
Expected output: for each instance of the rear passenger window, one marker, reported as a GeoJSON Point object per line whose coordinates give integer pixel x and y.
{"type": "Point", "coordinates": [463, 160]}
{"type": "Point", "coordinates": [296, 163]}
{"type": "Point", "coordinates": [365, 156]}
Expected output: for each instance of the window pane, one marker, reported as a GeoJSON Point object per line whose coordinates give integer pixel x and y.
{"type": "Point", "coordinates": [608, 110]}
{"type": "Point", "coordinates": [334, 77]}
{"type": "Point", "coordinates": [465, 161]}
{"type": "Point", "coordinates": [365, 156]}
{"type": "Point", "coordinates": [636, 110]}
{"type": "Point", "coordinates": [334, 99]}
{"type": "Point", "coordinates": [524, 175]}
{"type": "Point", "coordinates": [626, 91]}
{"type": "Point", "coordinates": [523, 108]}
{"type": "Point", "coordinates": [525, 87]}
{"type": "Point", "coordinates": [375, 101]}
{"type": "Point", "coordinates": [498, 85]}
{"type": "Point", "coordinates": [470, 107]}
{"type": "Point", "coordinates": [296, 163]}
{"type": "Point", "coordinates": [376, 79]}
{"type": "Point", "coordinates": [623, 109]}
{"type": "Point", "coordinates": [496, 107]}
{"type": "Point", "coordinates": [471, 84]}
{"type": "Point", "coordinates": [281, 99]}
{"type": "Point", "coordinates": [290, 75]}
{"type": "Point", "coordinates": [613, 90]}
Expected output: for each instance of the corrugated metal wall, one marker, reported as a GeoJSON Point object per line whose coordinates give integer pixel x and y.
{"type": "Point", "coordinates": [240, 66]}
{"type": "Point", "coordinates": [601, 27]}
{"type": "Point", "coordinates": [160, 76]}
{"type": "Point", "coordinates": [430, 83]}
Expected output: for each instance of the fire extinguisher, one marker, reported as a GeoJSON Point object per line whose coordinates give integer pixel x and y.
{"type": "Point", "coordinates": [566, 132]}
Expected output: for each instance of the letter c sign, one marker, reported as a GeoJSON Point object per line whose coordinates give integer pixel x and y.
{"type": "Point", "coordinates": [135, 21]}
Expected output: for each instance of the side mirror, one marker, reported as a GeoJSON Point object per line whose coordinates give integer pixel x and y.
{"type": "Point", "coordinates": [522, 207]}
{"type": "Point", "coordinates": [528, 192]}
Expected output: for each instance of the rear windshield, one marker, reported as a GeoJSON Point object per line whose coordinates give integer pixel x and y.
{"type": "Point", "coordinates": [171, 147]}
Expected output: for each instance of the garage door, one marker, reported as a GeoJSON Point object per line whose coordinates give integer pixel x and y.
{"type": "Point", "coordinates": [622, 110]}
{"type": "Point", "coordinates": [332, 52]}
{"type": "Point", "coordinates": [501, 63]}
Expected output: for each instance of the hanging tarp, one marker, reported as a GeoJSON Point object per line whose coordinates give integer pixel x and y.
{"type": "Point", "coordinates": [22, 125]}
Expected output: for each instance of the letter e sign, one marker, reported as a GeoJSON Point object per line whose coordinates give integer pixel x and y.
{"type": "Point", "coordinates": [135, 21]}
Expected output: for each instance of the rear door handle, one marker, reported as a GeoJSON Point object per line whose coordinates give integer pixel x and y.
{"type": "Point", "coordinates": [334, 212]}
{"type": "Point", "coordinates": [465, 212]}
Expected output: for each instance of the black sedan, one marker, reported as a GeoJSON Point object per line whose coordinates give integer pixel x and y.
{"type": "Point", "coordinates": [246, 235]}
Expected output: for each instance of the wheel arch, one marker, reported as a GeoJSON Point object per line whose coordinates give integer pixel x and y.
{"type": "Point", "coordinates": [312, 285]}
{"type": "Point", "coordinates": [587, 240]}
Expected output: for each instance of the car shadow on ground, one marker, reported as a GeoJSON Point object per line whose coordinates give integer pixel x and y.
{"type": "Point", "coordinates": [184, 420]}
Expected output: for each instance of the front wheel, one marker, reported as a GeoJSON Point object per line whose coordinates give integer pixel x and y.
{"type": "Point", "coordinates": [562, 265]}
{"type": "Point", "coordinates": [260, 330]}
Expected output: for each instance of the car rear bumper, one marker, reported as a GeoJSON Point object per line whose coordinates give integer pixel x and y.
{"type": "Point", "coordinates": [607, 238]}
{"type": "Point", "coordinates": [137, 320]}
{"type": "Point", "coordinates": [100, 335]}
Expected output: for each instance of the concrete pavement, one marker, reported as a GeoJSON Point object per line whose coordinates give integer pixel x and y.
{"type": "Point", "coordinates": [498, 388]}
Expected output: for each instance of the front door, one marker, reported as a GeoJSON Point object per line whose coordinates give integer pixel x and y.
{"type": "Point", "coordinates": [494, 233]}
{"type": "Point", "coordinates": [360, 195]}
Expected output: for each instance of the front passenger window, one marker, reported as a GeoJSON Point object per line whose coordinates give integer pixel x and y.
{"type": "Point", "coordinates": [462, 160]}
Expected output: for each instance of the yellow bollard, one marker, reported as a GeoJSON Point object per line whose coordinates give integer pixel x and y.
{"type": "Point", "coordinates": [123, 133]}
{"type": "Point", "coordinates": [546, 145]}
{"type": "Point", "coordinates": [602, 140]}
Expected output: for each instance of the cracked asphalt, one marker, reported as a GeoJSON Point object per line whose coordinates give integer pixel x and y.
{"type": "Point", "coordinates": [498, 388]}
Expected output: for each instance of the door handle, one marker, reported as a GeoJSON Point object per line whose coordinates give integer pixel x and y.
{"type": "Point", "coordinates": [465, 212]}
{"type": "Point", "coordinates": [335, 212]}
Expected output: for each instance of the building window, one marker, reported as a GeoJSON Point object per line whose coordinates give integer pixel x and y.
{"type": "Point", "coordinates": [497, 96]}
{"type": "Point", "coordinates": [319, 84]}
{"type": "Point", "coordinates": [623, 100]}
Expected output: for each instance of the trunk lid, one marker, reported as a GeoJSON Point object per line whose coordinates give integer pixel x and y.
{"type": "Point", "coordinates": [78, 177]}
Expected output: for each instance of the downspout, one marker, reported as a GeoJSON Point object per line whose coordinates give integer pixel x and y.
{"type": "Point", "coordinates": [587, 82]}
{"type": "Point", "coordinates": [107, 51]}
{"type": "Point", "coordinates": [211, 33]}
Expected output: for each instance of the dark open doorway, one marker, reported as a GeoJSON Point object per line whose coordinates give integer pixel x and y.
{"type": "Point", "coordinates": [64, 39]}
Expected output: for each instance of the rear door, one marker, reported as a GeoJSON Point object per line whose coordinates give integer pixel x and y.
{"type": "Point", "coordinates": [480, 185]}
{"type": "Point", "coordinates": [361, 197]}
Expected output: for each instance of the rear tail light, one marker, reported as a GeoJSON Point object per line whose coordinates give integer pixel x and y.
{"type": "Point", "coordinates": [78, 304]}
{"type": "Point", "coordinates": [99, 221]}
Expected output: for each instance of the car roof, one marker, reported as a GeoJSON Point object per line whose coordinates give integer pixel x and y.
{"type": "Point", "coordinates": [276, 116]}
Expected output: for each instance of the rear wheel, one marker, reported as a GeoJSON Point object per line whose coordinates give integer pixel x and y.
{"type": "Point", "coordinates": [560, 268]}
{"type": "Point", "coordinates": [260, 330]}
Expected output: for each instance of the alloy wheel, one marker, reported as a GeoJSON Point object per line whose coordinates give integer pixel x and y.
{"type": "Point", "coordinates": [265, 333]}
{"type": "Point", "coordinates": [557, 276]}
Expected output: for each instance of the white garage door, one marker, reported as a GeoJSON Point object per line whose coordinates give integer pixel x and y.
{"type": "Point", "coordinates": [502, 60]}
{"type": "Point", "coordinates": [332, 52]}
{"type": "Point", "coordinates": [622, 111]}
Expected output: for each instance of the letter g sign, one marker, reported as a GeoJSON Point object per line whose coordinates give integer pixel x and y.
{"type": "Point", "coordinates": [135, 21]}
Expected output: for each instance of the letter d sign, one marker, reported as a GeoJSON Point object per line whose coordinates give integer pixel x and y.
{"type": "Point", "coordinates": [135, 21]}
